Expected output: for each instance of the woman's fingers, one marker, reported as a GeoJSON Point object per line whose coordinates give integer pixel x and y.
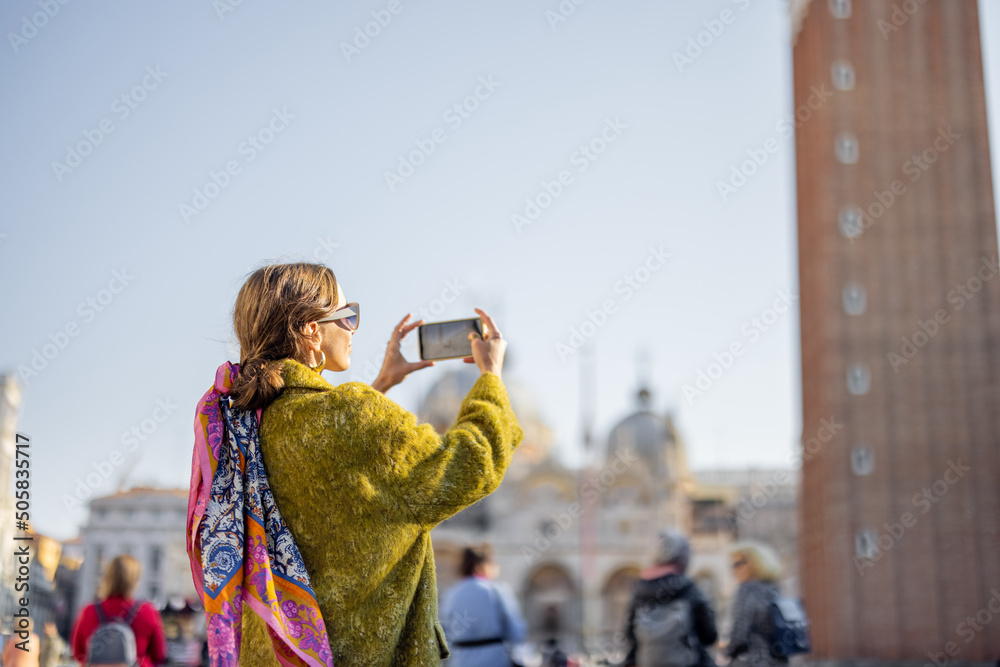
{"type": "Point", "coordinates": [397, 330]}
{"type": "Point", "coordinates": [401, 329]}
{"type": "Point", "coordinates": [410, 327]}
{"type": "Point", "coordinates": [490, 324]}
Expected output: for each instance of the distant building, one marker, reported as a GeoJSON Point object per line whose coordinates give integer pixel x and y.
{"type": "Point", "coordinates": [147, 524]}
{"type": "Point", "coordinates": [43, 595]}
{"type": "Point", "coordinates": [66, 584]}
{"type": "Point", "coordinates": [749, 504]}
{"type": "Point", "coordinates": [571, 543]}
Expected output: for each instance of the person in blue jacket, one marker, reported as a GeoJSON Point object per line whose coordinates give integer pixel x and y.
{"type": "Point", "coordinates": [480, 616]}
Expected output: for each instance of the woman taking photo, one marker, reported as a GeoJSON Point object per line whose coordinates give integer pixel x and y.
{"type": "Point", "coordinates": [758, 569]}
{"type": "Point", "coordinates": [311, 505]}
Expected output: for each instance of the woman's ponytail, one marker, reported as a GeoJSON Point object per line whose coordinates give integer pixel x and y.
{"type": "Point", "coordinates": [272, 308]}
{"type": "Point", "coordinates": [258, 383]}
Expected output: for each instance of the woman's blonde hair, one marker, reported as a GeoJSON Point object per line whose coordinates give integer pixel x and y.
{"type": "Point", "coordinates": [762, 561]}
{"type": "Point", "coordinates": [273, 306]}
{"type": "Point", "coordinates": [120, 577]}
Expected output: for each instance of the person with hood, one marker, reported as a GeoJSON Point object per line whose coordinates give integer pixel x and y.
{"type": "Point", "coordinates": [669, 621]}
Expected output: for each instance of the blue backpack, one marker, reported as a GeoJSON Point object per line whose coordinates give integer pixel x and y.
{"type": "Point", "coordinates": [789, 628]}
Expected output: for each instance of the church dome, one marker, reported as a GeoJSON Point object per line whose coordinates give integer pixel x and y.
{"type": "Point", "coordinates": [440, 406]}
{"type": "Point", "coordinates": [647, 434]}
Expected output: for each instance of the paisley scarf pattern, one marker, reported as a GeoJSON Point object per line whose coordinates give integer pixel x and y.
{"type": "Point", "coordinates": [240, 549]}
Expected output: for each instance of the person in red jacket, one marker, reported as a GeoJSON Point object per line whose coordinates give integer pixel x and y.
{"type": "Point", "coordinates": [118, 586]}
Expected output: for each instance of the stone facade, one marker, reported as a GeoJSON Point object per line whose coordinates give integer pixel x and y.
{"type": "Point", "coordinates": [147, 524]}
{"type": "Point", "coordinates": [571, 542]}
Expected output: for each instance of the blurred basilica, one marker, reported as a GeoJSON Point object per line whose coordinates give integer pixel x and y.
{"type": "Point", "coordinates": [571, 542]}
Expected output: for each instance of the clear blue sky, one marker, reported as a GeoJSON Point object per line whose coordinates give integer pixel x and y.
{"type": "Point", "coordinates": [329, 126]}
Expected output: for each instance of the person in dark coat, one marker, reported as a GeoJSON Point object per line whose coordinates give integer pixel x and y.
{"type": "Point", "coordinates": [664, 582]}
{"type": "Point", "coordinates": [758, 569]}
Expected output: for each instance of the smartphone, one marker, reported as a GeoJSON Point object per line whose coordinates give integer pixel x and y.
{"type": "Point", "coordinates": [448, 340]}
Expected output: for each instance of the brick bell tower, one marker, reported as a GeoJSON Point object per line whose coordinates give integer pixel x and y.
{"type": "Point", "coordinates": [900, 308]}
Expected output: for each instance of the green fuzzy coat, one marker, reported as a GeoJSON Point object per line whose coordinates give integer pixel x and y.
{"type": "Point", "coordinates": [361, 484]}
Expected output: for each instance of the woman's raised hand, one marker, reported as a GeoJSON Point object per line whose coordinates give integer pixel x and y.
{"type": "Point", "coordinates": [488, 350]}
{"type": "Point", "coordinates": [395, 367]}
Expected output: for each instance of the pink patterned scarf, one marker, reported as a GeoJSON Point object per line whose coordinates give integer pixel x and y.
{"type": "Point", "coordinates": [239, 546]}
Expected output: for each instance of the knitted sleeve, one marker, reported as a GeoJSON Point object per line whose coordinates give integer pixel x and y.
{"type": "Point", "coordinates": [434, 476]}
{"type": "Point", "coordinates": [438, 476]}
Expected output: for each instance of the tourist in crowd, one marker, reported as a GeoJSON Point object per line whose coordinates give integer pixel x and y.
{"type": "Point", "coordinates": [553, 655]}
{"type": "Point", "coordinates": [480, 616]}
{"type": "Point", "coordinates": [669, 620]}
{"type": "Point", "coordinates": [350, 483]}
{"type": "Point", "coordinates": [52, 646]}
{"type": "Point", "coordinates": [758, 569]}
{"type": "Point", "coordinates": [118, 602]}
{"type": "Point", "coordinates": [21, 651]}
